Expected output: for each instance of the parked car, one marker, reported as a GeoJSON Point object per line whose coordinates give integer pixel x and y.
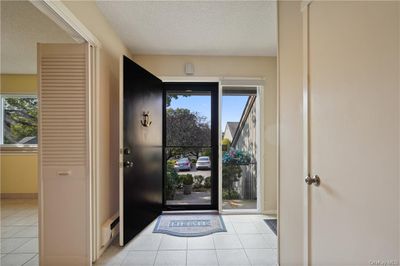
{"type": "Point", "coordinates": [203, 163]}
{"type": "Point", "coordinates": [183, 164]}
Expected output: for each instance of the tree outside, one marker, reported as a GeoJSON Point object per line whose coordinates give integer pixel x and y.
{"type": "Point", "coordinates": [187, 133]}
{"type": "Point", "coordinates": [20, 120]}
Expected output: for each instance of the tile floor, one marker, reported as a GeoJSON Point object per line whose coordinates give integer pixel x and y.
{"type": "Point", "coordinates": [248, 241]}
{"type": "Point", "coordinates": [19, 233]}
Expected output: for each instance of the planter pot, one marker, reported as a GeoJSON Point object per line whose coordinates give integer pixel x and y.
{"type": "Point", "coordinates": [187, 189]}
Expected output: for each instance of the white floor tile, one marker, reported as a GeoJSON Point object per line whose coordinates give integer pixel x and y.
{"type": "Point", "coordinates": [29, 247]}
{"type": "Point", "coordinates": [238, 218]}
{"type": "Point", "coordinates": [27, 231]}
{"type": "Point", "coordinates": [11, 220]}
{"type": "Point", "coordinates": [203, 242]}
{"type": "Point", "coordinates": [271, 240]}
{"type": "Point", "coordinates": [145, 242]}
{"type": "Point", "coordinates": [227, 242]}
{"type": "Point", "coordinates": [33, 262]}
{"type": "Point", "coordinates": [9, 231]}
{"type": "Point", "coordinates": [15, 259]}
{"type": "Point", "coordinates": [217, 249]}
{"type": "Point", "coordinates": [262, 256]}
{"type": "Point", "coordinates": [142, 258]}
{"type": "Point", "coordinates": [29, 220]}
{"type": "Point", "coordinates": [112, 256]}
{"type": "Point", "coordinates": [173, 243]}
{"type": "Point", "coordinates": [175, 258]}
{"type": "Point", "coordinates": [10, 244]}
{"type": "Point", "coordinates": [253, 241]}
{"type": "Point", "coordinates": [263, 228]}
{"type": "Point", "coordinates": [202, 257]}
{"type": "Point", "coordinates": [245, 227]}
{"type": "Point", "coordinates": [232, 257]}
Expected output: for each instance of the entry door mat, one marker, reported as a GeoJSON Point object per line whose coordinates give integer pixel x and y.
{"type": "Point", "coordinates": [189, 225]}
{"type": "Point", "coordinates": [271, 224]}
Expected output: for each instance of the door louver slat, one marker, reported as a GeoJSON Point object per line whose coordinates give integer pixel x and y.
{"type": "Point", "coordinates": [63, 110]}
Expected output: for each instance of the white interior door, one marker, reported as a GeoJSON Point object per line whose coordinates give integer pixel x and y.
{"type": "Point", "coordinates": [64, 181]}
{"type": "Point", "coordinates": [353, 132]}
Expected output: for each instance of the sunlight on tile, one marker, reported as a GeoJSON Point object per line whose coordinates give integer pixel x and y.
{"type": "Point", "coordinates": [224, 248]}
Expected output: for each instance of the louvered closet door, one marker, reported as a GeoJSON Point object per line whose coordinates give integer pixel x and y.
{"type": "Point", "coordinates": [63, 147]}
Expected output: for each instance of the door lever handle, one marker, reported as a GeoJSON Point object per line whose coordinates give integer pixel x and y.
{"type": "Point", "coordinates": [128, 164]}
{"type": "Point", "coordinates": [313, 180]}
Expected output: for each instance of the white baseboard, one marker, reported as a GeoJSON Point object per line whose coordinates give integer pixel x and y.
{"type": "Point", "coordinates": [65, 260]}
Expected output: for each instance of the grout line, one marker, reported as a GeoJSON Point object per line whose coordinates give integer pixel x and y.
{"type": "Point", "coordinates": [244, 250]}
{"type": "Point", "coordinates": [28, 259]}
{"type": "Point", "coordinates": [215, 248]}
{"type": "Point", "coordinates": [158, 248]}
{"type": "Point", "coordinates": [187, 253]}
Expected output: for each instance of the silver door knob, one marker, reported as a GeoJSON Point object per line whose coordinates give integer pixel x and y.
{"type": "Point", "coordinates": [313, 180]}
{"type": "Point", "coordinates": [128, 164]}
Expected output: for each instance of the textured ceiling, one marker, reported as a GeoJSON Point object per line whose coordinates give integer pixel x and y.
{"type": "Point", "coordinates": [22, 26]}
{"type": "Point", "coordinates": [195, 27]}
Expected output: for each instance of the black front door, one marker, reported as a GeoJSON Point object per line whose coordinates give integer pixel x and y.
{"type": "Point", "coordinates": [141, 199]}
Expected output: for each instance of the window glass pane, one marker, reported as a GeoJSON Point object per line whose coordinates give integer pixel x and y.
{"type": "Point", "coordinates": [239, 160]}
{"type": "Point", "coordinates": [188, 148]}
{"type": "Point", "coordinates": [188, 119]}
{"type": "Point", "coordinates": [20, 120]}
{"type": "Point", "coordinates": [188, 179]}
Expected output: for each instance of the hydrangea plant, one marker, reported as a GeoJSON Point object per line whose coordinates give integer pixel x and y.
{"type": "Point", "coordinates": [236, 157]}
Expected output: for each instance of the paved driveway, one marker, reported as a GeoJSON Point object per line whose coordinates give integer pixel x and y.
{"type": "Point", "coordinates": [194, 172]}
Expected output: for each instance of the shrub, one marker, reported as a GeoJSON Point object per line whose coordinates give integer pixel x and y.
{"type": "Point", "coordinates": [198, 181]}
{"type": "Point", "coordinates": [173, 181]}
{"type": "Point", "coordinates": [231, 173]}
{"type": "Point", "coordinates": [187, 179]}
{"type": "Point", "coordinates": [207, 182]}
{"type": "Point", "coordinates": [171, 162]}
{"type": "Point", "coordinates": [230, 195]}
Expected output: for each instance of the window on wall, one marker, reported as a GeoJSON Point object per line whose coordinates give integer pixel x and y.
{"type": "Point", "coordinates": [19, 120]}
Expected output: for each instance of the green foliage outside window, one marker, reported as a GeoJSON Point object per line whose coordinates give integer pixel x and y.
{"type": "Point", "coordinates": [20, 120]}
{"type": "Point", "coordinates": [173, 181]}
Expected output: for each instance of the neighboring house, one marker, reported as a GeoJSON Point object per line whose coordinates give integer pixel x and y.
{"type": "Point", "coordinates": [244, 139]}
{"type": "Point", "coordinates": [230, 130]}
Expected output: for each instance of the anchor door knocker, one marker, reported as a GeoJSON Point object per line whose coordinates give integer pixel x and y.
{"type": "Point", "coordinates": [146, 119]}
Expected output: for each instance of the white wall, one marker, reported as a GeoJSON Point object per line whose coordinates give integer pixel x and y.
{"type": "Point", "coordinates": [231, 66]}
{"type": "Point", "coordinates": [110, 53]}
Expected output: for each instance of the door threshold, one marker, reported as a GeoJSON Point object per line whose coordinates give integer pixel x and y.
{"type": "Point", "coordinates": [241, 212]}
{"type": "Point", "coordinates": [191, 211]}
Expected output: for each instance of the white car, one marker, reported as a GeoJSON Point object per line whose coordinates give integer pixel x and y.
{"type": "Point", "coordinates": [203, 163]}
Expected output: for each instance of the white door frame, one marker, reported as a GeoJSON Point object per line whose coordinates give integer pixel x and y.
{"type": "Point", "coordinates": [61, 15]}
{"type": "Point", "coordinates": [259, 84]}
{"type": "Point", "coordinates": [238, 82]}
